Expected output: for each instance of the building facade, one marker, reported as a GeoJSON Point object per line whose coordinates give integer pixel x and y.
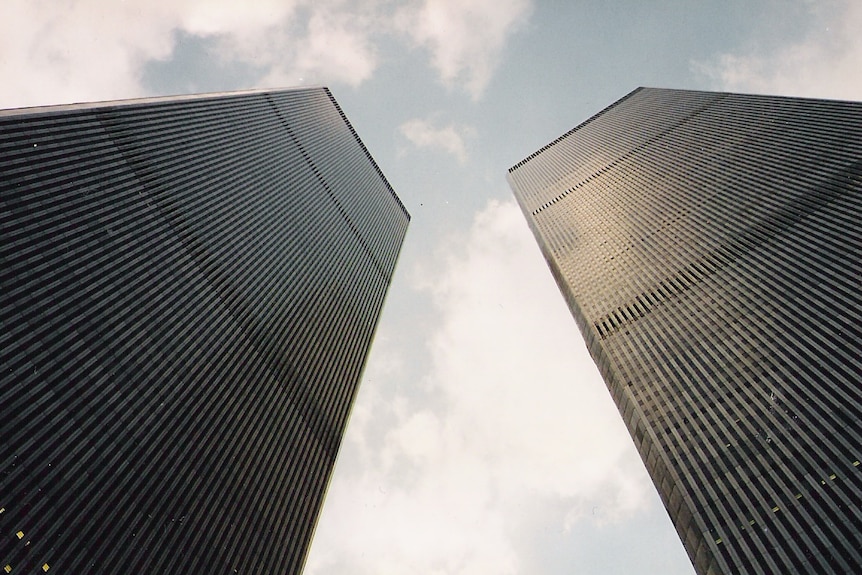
{"type": "Point", "coordinates": [709, 246]}
{"type": "Point", "coordinates": [188, 290]}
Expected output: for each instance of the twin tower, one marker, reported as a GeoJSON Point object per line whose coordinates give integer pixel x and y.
{"type": "Point", "coordinates": [189, 287]}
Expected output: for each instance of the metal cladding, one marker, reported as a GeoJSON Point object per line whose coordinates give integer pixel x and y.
{"type": "Point", "coordinates": [188, 290]}
{"type": "Point", "coordinates": [710, 248]}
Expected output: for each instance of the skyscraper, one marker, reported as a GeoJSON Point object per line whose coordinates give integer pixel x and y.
{"type": "Point", "coordinates": [188, 290]}
{"type": "Point", "coordinates": [709, 246]}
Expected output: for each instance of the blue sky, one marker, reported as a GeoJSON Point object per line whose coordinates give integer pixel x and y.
{"type": "Point", "coordinates": [482, 439]}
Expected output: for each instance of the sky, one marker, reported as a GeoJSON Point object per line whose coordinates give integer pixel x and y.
{"type": "Point", "coordinates": [482, 440]}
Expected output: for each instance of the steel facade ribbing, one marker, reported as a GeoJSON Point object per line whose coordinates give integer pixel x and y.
{"type": "Point", "coordinates": [188, 291]}
{"type": "Point", "coordinates": [709, 246]}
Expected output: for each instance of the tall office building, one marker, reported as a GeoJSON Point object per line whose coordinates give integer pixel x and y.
{"type": "Point", "coordinates": [188, 290]}
{"type": "Point", "coordinates": [710, 249]}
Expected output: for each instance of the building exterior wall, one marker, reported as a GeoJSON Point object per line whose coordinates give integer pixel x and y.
{"type": "Point", "coordinates": [188, 291]}
{"type": "Point", "coordinates": [709, 246]}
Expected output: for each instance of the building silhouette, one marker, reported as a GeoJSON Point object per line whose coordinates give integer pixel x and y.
{"type": "Point", "coordinates": [188, 290]}
{"type": "Point", "coordinates": [709, 246]}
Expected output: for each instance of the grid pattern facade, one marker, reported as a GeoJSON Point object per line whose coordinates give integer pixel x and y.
{"type": "Point", "coordinates": [709, 246]}
{"type": "Point", "coordinates": [188, 290]}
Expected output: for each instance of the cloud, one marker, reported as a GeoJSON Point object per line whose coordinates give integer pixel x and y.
{"type": "Point", "coordinates": [512, 427]}
{"type": "Point", "coordinates": [60, 51]}
{"type": "Point", "coordinates": [64, 51]}
{"type": "Point", "coordinates": [449, 139]}
{"type": "Point", "coordinates": [334, 41]}
{"type": "Point", "coordinates": [465, 37]}
{"type": "Point", "coordinates": [826, 63]}
{"type": "Point", "coordinates": [54, 52]}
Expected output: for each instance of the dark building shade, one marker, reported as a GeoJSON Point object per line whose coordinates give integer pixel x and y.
{"type": "Point", "coordinates": [188, 290]}
{"type": "Point", "coordinates": [709, 246]}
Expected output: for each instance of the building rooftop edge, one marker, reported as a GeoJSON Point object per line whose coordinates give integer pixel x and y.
{"type": "Point", "coordinates": [658, 89]}
{"type": "Point", "coordinates": [148, 100]}
{"type": "Point", "coordinates": [367, 153]}
{"type": "Point", "coordinates": [37, 110]}
{"type": "Point", "coordinates": [579, 126]}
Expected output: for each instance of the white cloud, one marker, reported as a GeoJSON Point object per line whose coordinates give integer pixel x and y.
{"type": "Point", "coordinates": [211, 17]}
{"type": "Point", "coordinates": [518, 418]}
{"type": "Point", "coordinates": [58, 51]}
{"type": "Point", "coordinates": [465, 37]}
{"type": "Point", "coordinates": [54, 52]}
{"type": "Point", "coordinates": [64, 51]}
{"type": "Point", "coordinates": [827, 63]}
{"type": "Point", "coordinates": [332, 42]}
{"type": "Point", "coordinates": [449, 139]}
